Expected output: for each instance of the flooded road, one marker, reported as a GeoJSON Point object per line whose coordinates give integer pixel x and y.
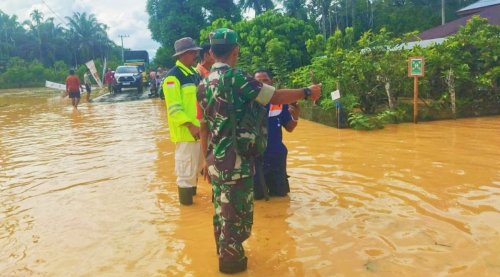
{"type": "Point", "coordinates": [92, 193]}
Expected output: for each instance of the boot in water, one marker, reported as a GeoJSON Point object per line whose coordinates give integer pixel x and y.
{"type": "Point", "coordinates": [233, 266]}
{"type": "Point", "coordinates": [186, 196]}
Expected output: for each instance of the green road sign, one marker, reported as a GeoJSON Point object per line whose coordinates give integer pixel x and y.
{"type": "Point", "coordinates": [416, 67]}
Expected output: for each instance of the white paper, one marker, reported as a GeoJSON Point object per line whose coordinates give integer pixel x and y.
{"type": "Point", "coordinates": [335, 95]}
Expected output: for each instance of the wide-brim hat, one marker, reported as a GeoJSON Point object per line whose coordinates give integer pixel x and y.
{"type": "Point", "coordinates": [183, 45]}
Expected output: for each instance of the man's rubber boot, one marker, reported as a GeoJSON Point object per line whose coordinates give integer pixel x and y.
{"type": "Point", "coordinates": [186, 196]}
{"type": "Point", "coordinates": [233, 267]}
{"type": "Point", "coordinates": [194, 190]}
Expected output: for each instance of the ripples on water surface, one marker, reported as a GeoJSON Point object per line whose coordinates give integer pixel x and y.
{"type": "Point", "coordinates": [92, 193]}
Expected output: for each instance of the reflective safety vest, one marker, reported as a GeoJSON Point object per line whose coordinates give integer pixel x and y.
{"type": "Point", "coordinates": [179, 88]}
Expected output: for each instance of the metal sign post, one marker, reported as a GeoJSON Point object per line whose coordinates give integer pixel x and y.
{"type": "Point", "coordinates": [336, 98]}
{"type": "Point", "coordinates": [415, 70]}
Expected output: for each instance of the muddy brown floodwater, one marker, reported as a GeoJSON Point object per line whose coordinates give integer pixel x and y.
{"type": "Point", "coordinates": [92, 193]}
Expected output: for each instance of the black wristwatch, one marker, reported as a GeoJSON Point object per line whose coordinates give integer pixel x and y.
{"type": "Point", "coordinates": [307, 93]}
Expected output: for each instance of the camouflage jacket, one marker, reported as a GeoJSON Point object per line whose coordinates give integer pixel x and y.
{"type": "Point", "coordinates": [224, 163]}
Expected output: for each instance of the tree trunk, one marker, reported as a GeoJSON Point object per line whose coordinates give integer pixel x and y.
{"type": "Point", "coordinates": [371, 14]}
{"type": "Point", "coordinates": [353, 7]}
{"type": "Point", "coordinates": [389, 95]}
{"type": "Point", "coordinates": [323, 19]}
{"type": "Point", "coordinates": [450, 80]}
{"type": "Point", "coordinates": [335, 10]}
{"type": "Point", "coordinates": [346, 15]}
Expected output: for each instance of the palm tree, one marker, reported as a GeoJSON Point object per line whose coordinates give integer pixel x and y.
{"type": "Point", "coordinates": [259, 6]}
{"type": "Point", "coordinates": [36, 16]}
{"type": "Point", "coordinates": [53, 42]}
{"type": "Point", "coordinates": [88, 34]}
{"type": "Point", "coordinates": [10, 29]}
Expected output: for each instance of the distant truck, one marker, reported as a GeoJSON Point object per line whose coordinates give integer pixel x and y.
{"type": "Point", "coordinates": [139, 58]}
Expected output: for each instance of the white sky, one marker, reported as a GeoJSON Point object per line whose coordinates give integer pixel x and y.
{"type": "Point", "coordinates": [123, 17]}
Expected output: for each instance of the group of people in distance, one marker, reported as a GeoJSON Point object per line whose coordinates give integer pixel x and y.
{"type": "Point", "coordinates": [198, 110]}
{"type": "Point", "coordinates": [155, 78]}
{"type": "Point", "coordinates": [74, 86]}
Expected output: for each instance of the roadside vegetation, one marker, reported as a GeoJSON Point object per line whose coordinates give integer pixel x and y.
{"type": "Point", "coordinates": [39, 49]}
{"type": "Point", "coordinates": [462, 75]}
{"type": "Point", "coordinates": [354, 46]}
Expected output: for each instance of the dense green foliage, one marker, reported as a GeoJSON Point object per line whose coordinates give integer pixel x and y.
{"type": "Point", "coordinates": [21, 73]}
{"type": "Point", "coordinates": [372, 75]}
{"type": "Point", "coordinates": [170, 20]}
{"type": "Point", "coordinates": [272, 40]}
{"type": "Point", "coordinates": [37, 50]}
{"type": "Point", "coordinates": [396, 16]}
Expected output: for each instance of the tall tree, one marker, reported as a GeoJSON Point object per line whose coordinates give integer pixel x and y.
{"type": "Point", "coordinates": [272, 40]}
{"type": "Point", "coordinates": [89, 35]}
{"type": "Point", "coordinates": [36, 20]}
{"type": "Point", "coordinates": [259, 6]}
{"type": "Point", "coordinates": [320, 13]}
{"type": "Point", "coordinates": [36, 16]}
{"type": "Point", "coordinates": [221, 9]}
{"type": "Point", "coordinates": [170, 20]}
{"type": "Point", "coordinates": [11, 33]}
{"type": "Point", "coordinates": [296, 8]}
{"type": "Point", "coordinates": [53, 42]}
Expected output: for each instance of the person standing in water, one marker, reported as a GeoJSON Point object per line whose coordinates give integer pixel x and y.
{"type": "Point", "coordinates": [87, 82]}
{"type": "Point", "coordinates": [179, 88]}
{"type": "Point", "coordinates": [73, 88]}
{"type": "Point", "coordinates": [108, 79]}
{"type": "Point", "coordinates": [224, 92]}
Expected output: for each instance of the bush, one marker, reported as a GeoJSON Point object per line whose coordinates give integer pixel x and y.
{"type": "Point", "coordinates": [392, 116]}
{"type": "Point", "coordinates": [370, 73]}
{"type": "Point", "coordinates": [360, 121]}
{"type": "Point", "coordinates": [20, 73]}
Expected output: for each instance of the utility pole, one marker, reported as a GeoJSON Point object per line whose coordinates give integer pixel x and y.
{"type": "Point", "coordinates": [121, 37]}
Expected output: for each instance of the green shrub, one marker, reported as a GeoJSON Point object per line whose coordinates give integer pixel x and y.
{"type": "Point", "coordinates": [360, 121]}
{"type": "Point", "coordinates": [391, 116]}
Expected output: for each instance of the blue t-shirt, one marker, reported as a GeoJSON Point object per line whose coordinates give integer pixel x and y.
{"type": "Point", "coordinates": [278, 117]}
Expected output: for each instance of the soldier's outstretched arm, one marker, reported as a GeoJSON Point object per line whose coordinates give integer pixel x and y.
{"type": "Point", "coordinates": [287, 96]}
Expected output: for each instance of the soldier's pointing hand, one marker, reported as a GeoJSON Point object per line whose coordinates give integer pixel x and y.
{"type": "Point", "coordinates": [315, 91]}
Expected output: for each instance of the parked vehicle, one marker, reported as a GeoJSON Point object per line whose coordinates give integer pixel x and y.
{"type": "Point", "coordinates": [127, 77]}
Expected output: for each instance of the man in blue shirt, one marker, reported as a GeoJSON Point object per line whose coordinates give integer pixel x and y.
{"type": "Point", "coordinates": [273, 163]}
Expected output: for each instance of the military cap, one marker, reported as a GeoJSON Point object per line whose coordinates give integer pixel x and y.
{"type": "Point", "coordinates": [223, 36]}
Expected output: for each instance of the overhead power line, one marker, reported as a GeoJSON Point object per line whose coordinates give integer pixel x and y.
{"type": "Point", "coordinates": [56, 14]}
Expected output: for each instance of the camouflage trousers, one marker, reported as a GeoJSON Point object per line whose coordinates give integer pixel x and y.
{"type": "Point", "coordinates": [233, 217]}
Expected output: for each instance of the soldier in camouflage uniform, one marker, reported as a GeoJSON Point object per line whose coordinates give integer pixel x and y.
{"type": "Point", "coordinates": [230, 173]}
